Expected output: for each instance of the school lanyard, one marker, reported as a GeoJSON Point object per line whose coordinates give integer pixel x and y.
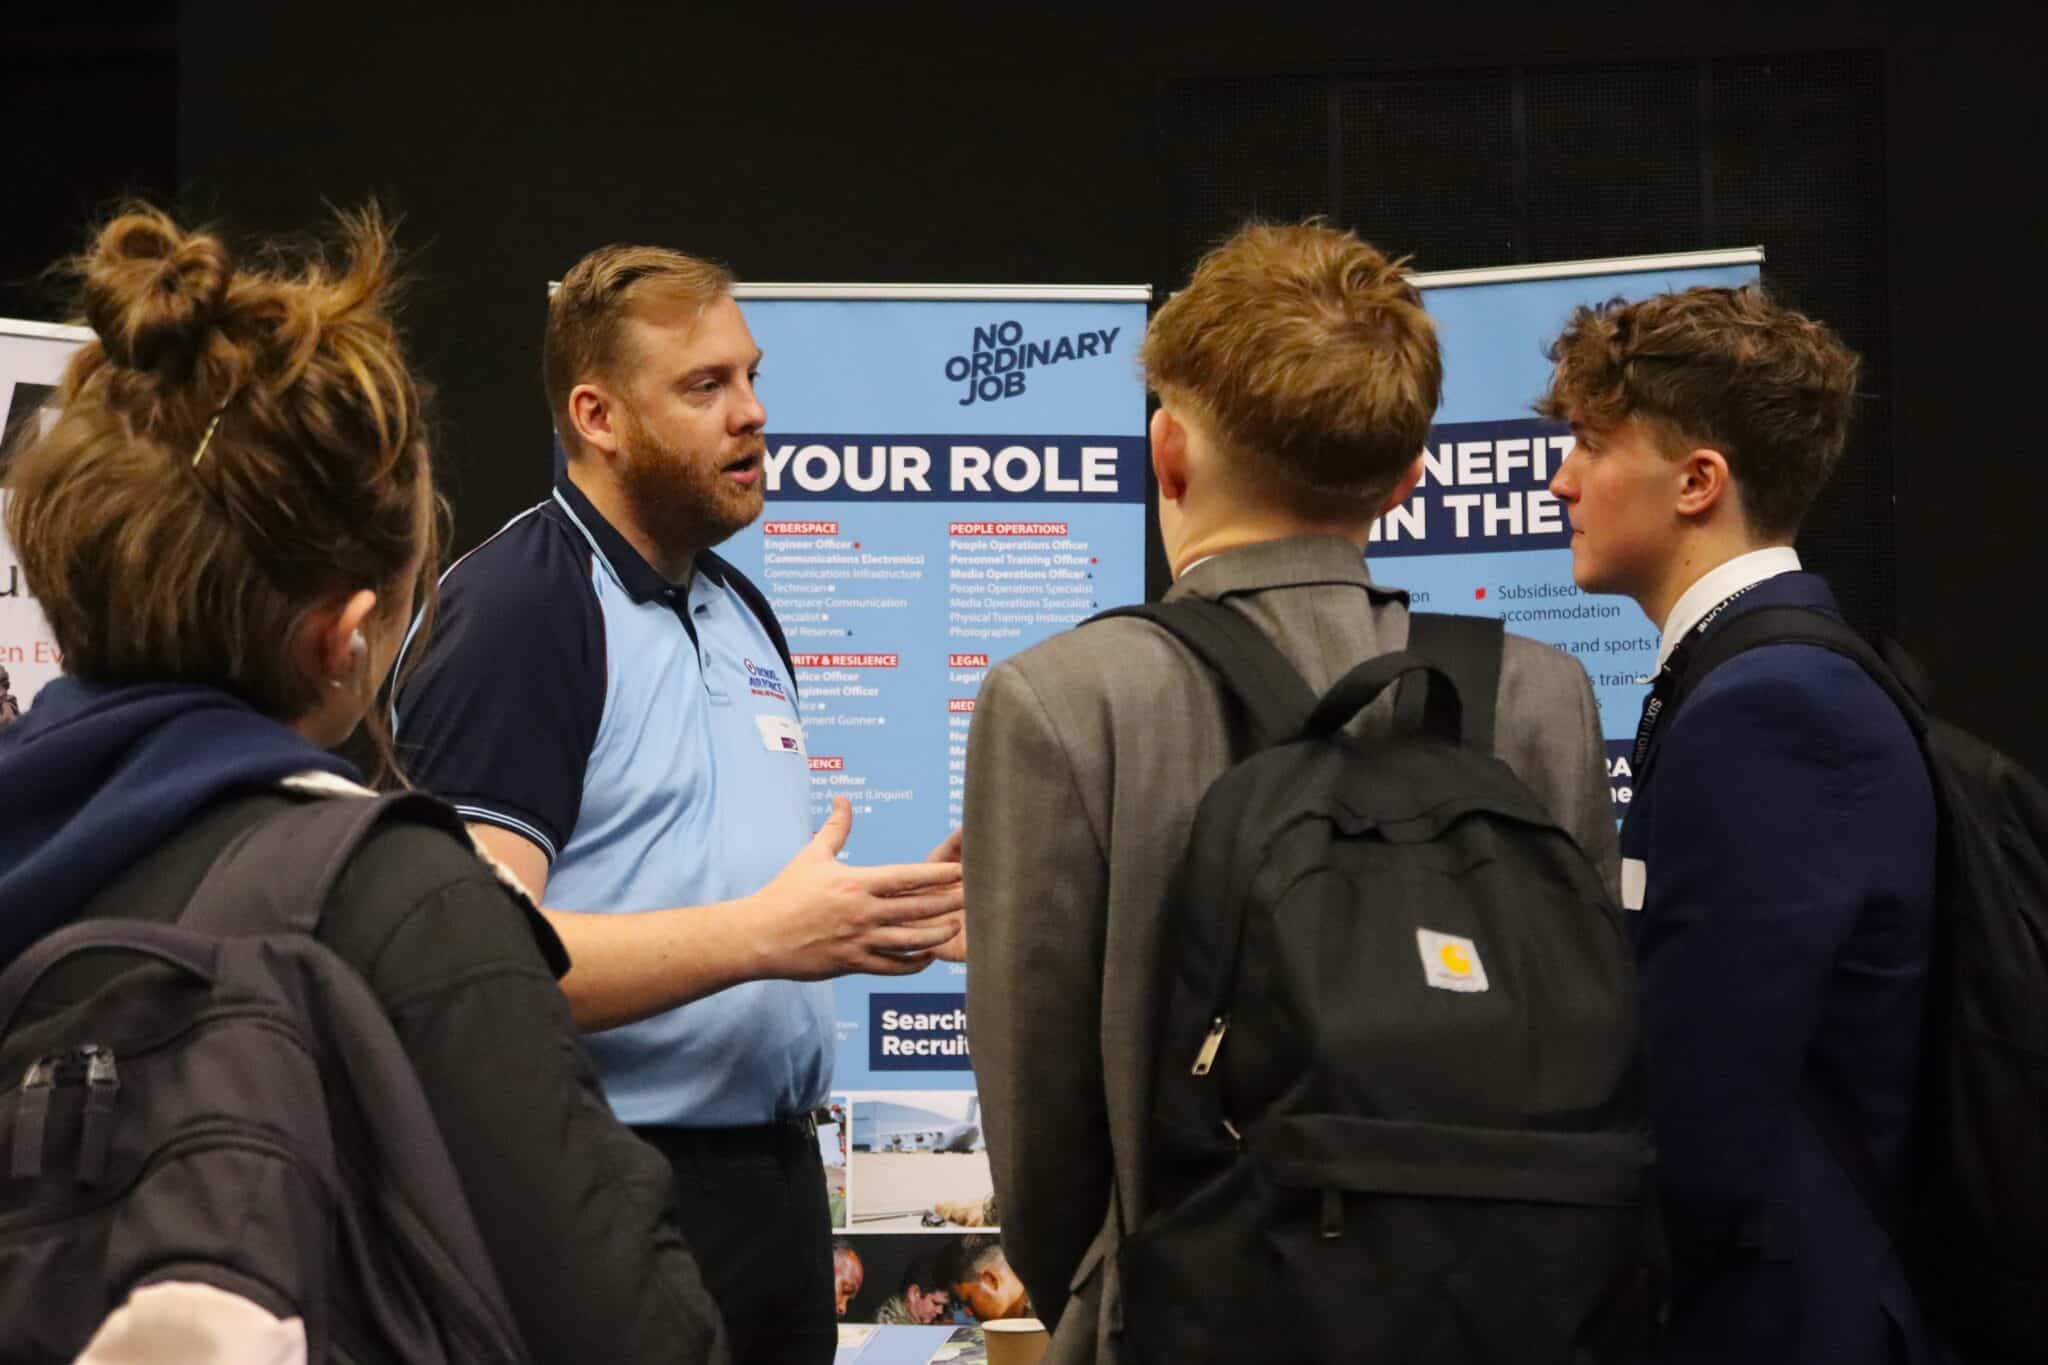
{"type": "Point", "coordinates": [1670, 675]}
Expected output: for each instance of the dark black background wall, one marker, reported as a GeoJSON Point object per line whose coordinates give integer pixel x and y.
{"type": "Point", "coordinates": [963, 143]}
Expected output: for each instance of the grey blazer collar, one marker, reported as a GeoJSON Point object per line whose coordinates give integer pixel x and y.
{"type": "Point", "coordinates": [1291, 563]}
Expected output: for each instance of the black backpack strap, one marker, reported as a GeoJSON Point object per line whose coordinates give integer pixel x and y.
{"type": "Point", "coordinates": [1440, 711]}
{"type": "Point", "coordinates": [1795, 626]}
{"type": "Point", "coordinates": [1469, 648]}
{"type": "Point", "coordinates": [1251, 666]}
{"type": "Point", "coordinates": [756, 601]}
{"type": "Point", "coordinates": [276, 876]}
{"type": "Point", "coordinates": [165, 943]}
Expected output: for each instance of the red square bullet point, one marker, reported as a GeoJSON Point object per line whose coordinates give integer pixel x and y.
{"type": "Point", "coordinates": [1478, 594]}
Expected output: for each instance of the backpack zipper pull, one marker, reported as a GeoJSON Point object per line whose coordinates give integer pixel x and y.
{"type": "Point", "coordinates": [1206, 1058]}
{"type": "Point", "coordinates": [1333, 1213]}
{"type": "Point", "coordinates": [103, 1085]}
{"type": "Point", "coordinates": [32, 1117]}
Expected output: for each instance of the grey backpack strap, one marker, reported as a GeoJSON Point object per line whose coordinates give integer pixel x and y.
{"type": "Point", "coordinates": [276, 876]}
{"type": "Point", "coordinates": [1469, 649]}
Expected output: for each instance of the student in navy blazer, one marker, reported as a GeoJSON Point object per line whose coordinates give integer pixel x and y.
{"type": "Point", "coordinates": [1780, 847]}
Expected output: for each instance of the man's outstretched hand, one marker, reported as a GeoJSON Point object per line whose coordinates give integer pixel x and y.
{"type": "Point", "coordinates": [953, 949]}
{"type": "Point", "coordinates": [821, 918]}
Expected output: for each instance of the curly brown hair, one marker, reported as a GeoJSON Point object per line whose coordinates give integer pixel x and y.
{"type": "Point", "coordinates": [1310, 351]}
{"type": "Point", "coordinates": [1729, 369]}
{"type": "Point", "coordinates": [155, 564]}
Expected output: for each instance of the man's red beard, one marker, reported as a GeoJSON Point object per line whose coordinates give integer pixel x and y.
{"type": "Point", "coordinates": [683, 500]}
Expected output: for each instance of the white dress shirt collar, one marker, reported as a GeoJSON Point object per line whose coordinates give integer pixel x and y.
{"type": "Point", "coordinates": [1719, 584]}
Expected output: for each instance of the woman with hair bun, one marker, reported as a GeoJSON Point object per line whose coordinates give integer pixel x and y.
{"type": "Point", "coordinates": [227, 525]}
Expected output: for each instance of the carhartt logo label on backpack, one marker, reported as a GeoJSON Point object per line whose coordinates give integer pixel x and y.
{"type": "Point", "coordinates": [1450, 963]}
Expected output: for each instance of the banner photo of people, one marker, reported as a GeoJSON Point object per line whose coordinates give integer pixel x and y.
{"type": "Point", "coordinates": [1482, 535]}
{"type": "Point", "coordinates": [32, 359]}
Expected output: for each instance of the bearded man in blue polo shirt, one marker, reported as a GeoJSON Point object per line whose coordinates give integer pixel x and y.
{"type": "Point", "coordinates": [1779, 853]}
{"type": "Point", "coordinates": [611, 706]}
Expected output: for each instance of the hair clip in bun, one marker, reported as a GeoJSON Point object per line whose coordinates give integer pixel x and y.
{"type": "Point", "coordinates": [206, 440]}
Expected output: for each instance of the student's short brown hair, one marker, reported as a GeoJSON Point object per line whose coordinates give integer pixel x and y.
{"type": "Point", "coordinates": [1728, 369]}
{"type": "Point", "coordinates": [587, 313]}
{"type": "Point", "coordinates": [1311, 353]}
{"type": "Point", "coordinates": [239, 441]}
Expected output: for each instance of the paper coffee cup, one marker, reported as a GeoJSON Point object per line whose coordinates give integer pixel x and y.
{"type": "Point", "coordinates": [1015, 1341]}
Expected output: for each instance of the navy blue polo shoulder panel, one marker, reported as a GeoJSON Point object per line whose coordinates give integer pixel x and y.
{"type": "Point", "coordinates": [645, 736]}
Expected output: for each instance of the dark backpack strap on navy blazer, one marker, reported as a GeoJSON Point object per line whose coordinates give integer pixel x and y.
{"type": "Point", "coordinates": [1694, 660]}
{"type": "Point", "coordinates": [1795, 626]}
{"type": "Point", "coordinates": [1469, 648]}
{"type": "Point", "coordinates": [1251, 666]}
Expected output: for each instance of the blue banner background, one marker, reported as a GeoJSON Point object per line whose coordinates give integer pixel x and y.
{"type": "Point", "coordinates": [898, 575]}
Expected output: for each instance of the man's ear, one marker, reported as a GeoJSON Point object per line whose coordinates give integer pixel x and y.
{"type": "Point", "coordinates": [1169, 453]}
{"type": "Point", "coordinates": [593, 412]}
{"type": "Point", "coordinates": [1402, 488]}
{"type": "Point", "coordinates": [1704, 482]}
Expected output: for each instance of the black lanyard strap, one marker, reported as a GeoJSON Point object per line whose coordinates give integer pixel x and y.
{"type": "Point", "coordinates": [1665, 688]}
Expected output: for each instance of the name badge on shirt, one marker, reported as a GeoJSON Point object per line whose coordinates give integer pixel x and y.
{"type": "Point", "coordinates": [780, 734]}
{"type": "Point", "coordinates": [1635, 875]}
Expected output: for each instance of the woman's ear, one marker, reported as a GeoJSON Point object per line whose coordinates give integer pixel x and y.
{"type": "Point", "coordinates": [330, 645]}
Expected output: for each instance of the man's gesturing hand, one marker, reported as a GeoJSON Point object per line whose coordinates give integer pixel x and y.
{"type": "Point", "coordinates": [948, 851]}
{"type": "Point", "coordinates": [821, 918]}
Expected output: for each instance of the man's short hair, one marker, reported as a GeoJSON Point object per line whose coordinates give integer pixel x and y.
{"type": "Point", "coordinates": [588, 309]}
{"type": "Point", "coordinates": [973, 1255]}
{"type": "Point", "coordinates": [1729, 369]}
{"type": "Point", "coordinates": [1310, 353]}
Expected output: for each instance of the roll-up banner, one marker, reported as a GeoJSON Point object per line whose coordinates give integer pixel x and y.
{"type": "Point", "coordinates": [32, 359]}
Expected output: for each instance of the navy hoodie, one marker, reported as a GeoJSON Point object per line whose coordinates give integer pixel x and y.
{"type": "Point", "coordinates": [92, 778]}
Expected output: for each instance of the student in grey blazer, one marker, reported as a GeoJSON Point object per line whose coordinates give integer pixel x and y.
{"type": "Point", "coordinates": [1297, 376]}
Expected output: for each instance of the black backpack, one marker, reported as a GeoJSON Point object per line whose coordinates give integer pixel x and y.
{"type": "Point", "coordinates": [1398, 1111]}
{"type": "Point", "coordinates": [1971, 1224]}
{"type": "Point", "coordinates": [222, 1101]}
